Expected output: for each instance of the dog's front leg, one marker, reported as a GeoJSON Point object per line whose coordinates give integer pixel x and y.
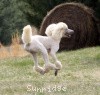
{"type": "Point", "coordinates": [36, 65]}
{"type": "Point", "coordinates": [48, 66]}
{"type": "Point", "coordinates": [57, 62]}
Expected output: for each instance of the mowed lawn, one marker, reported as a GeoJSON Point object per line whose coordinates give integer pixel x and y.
{"type": "Point", "coordinates": [80, 75]}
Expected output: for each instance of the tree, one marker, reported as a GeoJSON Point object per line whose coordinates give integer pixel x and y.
{"type": "Point", "coordinates": [11, 18]}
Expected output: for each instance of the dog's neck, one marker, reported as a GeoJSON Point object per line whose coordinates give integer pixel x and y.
{"type": "Point", "coordinates": [57, 40]}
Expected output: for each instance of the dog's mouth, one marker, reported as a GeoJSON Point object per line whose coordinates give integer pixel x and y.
{"type": "Point", "coordinates": [69, 33]}
{"type": "Point", "coordinates": [67, 36]}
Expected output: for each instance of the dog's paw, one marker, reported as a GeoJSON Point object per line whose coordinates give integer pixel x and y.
{"type": "Point", "coordinates": [39, 69]}
{"type": "Point", "coordinates": [56, 72]}
{"type": "Point", "coordinates": [49, 67]}
{"type": "Point", "coordinates": [58, 64]}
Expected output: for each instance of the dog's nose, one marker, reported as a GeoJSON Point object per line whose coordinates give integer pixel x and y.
{"type": "Point", "coordinates": [70, 31]}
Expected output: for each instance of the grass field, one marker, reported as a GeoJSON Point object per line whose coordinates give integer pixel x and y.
{"type": "Point", "coordinates": [80, 75]}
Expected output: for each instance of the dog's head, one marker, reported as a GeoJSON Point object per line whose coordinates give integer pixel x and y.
{"type": "Point", "coordinates": [61, 30]}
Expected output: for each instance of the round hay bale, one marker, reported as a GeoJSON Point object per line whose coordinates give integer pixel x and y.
{"type": "Point", "coordinates": [79, 18]}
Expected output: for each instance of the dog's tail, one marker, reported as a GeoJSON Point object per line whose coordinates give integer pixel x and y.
{"type": "Point", "coordinates": [27, 34]}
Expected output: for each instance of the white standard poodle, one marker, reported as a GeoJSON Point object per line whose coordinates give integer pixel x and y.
{"type": "Point", "coordinates": [46, 45]}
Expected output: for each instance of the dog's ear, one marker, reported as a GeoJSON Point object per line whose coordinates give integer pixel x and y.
{"type": "Point", "coordinates": [50, 29]}
{"type": "Point", "coordinates": [48, 32]}
{"type": "Point", "coordinates": [57, 34]}
{"type": "Point", "coordinates": [59, 30]}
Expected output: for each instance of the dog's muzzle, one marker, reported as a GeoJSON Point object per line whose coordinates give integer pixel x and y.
{"type": "Point", "coordinates": [69, 33]}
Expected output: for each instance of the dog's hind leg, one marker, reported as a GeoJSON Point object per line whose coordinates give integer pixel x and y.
{"type": "Point", "coordinates": [36, 65]}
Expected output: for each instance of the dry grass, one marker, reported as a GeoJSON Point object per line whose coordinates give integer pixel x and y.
{"type": "Point", "coordinates": [14, 50]}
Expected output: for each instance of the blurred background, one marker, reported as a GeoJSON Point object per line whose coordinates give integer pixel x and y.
{"type": "Point", "coordinates": [15, 14]}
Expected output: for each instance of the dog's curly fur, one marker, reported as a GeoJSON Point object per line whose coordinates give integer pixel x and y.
{"type": "Point", "coordinates": [36, 43]}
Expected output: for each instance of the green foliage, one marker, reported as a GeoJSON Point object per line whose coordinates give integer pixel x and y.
{"type": "Point", "coordinates": [11, 18]}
